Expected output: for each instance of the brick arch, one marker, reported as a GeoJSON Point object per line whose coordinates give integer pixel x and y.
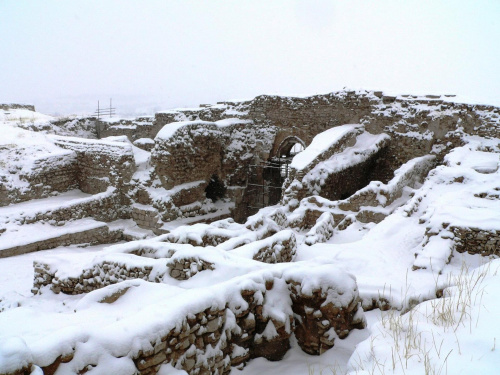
{"type": "Point", "coordinates": [286, 145]}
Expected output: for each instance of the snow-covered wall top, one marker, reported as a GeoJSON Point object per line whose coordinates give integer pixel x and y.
{"type": "Point", "coordinates": [7, 106]}
{"type": "Point", "coordinates": [321, 143]}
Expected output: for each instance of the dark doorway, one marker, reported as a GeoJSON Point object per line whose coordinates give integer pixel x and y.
{"type": "Point", "coordinates": [215, 189]}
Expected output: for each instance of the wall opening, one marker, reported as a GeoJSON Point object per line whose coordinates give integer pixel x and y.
{"type": "Point", "coordinates": [265, 181]}
{"type": "Point", "coordinates": [215, 189]}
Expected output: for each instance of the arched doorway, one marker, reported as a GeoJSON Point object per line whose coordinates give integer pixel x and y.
{"type": "Point", "coordinates": [288, 148]}
{"type": "Point", "coordinates": [265, 181]}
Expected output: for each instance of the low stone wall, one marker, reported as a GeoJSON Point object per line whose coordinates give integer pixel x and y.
{"type": "Point", "coordinates": [203, 239]}
{"type": "Point", "coordinates": [279, 248]}
{"type": "Point", "coordinates": [93, 236]}
{"type": "Point", "coordinates": [8, 106]}
{"type": "Point", "coordinates": [476, 241]}
{"type": "Point", "coordinates": [103, 207]}
{"type": "Point", "coordinates": [212, 338]}
{"type": "Point", "coordinates": [184, 268]}
{"type": "Point", "coordinates": [146, 217]}
{"type": "Point", "coordinates": [100, 275]}
{"type": "Point", "coordinates": [235, 336]}
{"type": "Point", "coordinates": [322, 231]}
{"type": "Point", "coordinates": [140, 127]}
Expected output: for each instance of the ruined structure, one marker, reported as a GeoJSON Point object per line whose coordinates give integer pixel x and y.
{"type": "Point", "coordinates": [224, 185]}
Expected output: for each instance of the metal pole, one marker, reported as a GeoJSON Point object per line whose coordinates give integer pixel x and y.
{"type": "Point", "coordinates": [97, 130]}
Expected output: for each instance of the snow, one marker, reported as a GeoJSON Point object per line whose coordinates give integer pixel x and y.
{"type": "Point", "coordinates": [170, 129]}
{"type": "Point", "coordinates": [14, 353]}
{"type": "Point", "coordinates": [30, 233]}
{"type": "Point", "coordinates": [320, 144]}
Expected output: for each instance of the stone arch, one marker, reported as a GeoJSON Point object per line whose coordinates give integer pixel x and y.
{"type": "Point", "coordinates": [286, 145]}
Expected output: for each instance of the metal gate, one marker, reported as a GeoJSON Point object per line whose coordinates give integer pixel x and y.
{"type": "Point", "coordinates": [265, 183]}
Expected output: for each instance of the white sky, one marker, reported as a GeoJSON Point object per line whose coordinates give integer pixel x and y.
{"type": "Point", "coordinates": [149, 55]}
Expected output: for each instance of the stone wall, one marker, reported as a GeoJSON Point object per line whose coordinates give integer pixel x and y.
{"type": "Point", "coordinates": [8, 106]}
{"type": "Point", "coordinates": [55, 173]}
{"type": "Point", "coordinates": [194, 154]}
{"type": "Point", "coordinates": [346, 182]}
{"type": "Point", "coordinates": [198, 151]}
{"type": "Point", "coordinates": [306, 117]}
{"type": "Point", "coordinates": [214, 336]}
{"type": "Point", "coordinates": [476, 241]}
{"type": "Point", "coordinates": [414, 124]}
{"type": "Point", "coordinates": [280, 248]}
{"type": "Point", "coordinates": [104, 207]}
{"type": "Point", "coordinates": [101, 164]}
{"type": "Point", "coordinates": [332, 175]}
{"type": "Point", "coordinates": [185, 347]}
{"type": "Point", "coordinates": [93, 236]}
{"type": "Point", "coordinates": [140, 127]}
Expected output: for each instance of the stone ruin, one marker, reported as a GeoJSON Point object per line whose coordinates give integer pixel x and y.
{"type": "Point", "coordinates": [218, 184]}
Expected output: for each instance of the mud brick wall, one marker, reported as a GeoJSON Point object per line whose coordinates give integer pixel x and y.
{"type": "Point", "coordinates": [477, 241]}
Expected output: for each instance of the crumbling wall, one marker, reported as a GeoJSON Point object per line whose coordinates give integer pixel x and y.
{"type": "Point", "coordinates": [47, 175]}
{"type": "Point", "coordinates": [417, 126]}
{"type": "Point", "coordinates": [181, 264]}
{"type": "Point", "coordinates": [196, 151]}
{"type": "Point", "coordinates": [101, 164]}
{"type": "Point", "coordinates": [192, 152]}
{"type": "Point", "coordinates": [8, 106]}
{"type": "Point", "coordinates": [476, 240]}
{"type": "Point", "coordinates": [214, 334]}
{"type": "Point", "coordinates": [336, 172]}
{"type": "Point", "coordinates": [99, 234]}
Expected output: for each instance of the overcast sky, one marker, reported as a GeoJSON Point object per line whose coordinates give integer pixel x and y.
{"type": "Point", "coordinates": [150, 55]}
